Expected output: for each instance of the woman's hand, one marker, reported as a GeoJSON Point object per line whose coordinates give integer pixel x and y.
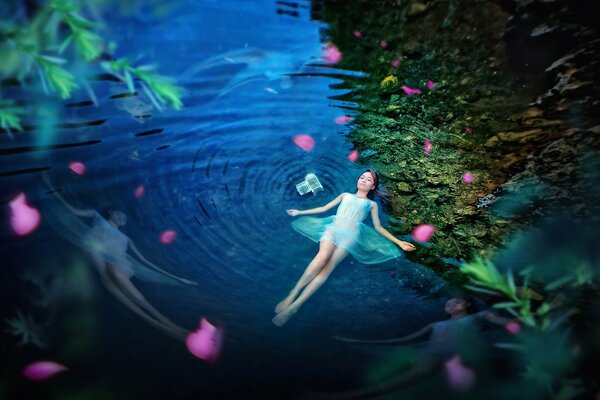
{"type": "Point", "coordinates": [406, 246]}
{"type": "Point", "coordinates": [293, 213]}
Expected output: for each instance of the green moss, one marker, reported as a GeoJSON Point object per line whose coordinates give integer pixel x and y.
{"type": "Point", "coordinates": [467, 106]}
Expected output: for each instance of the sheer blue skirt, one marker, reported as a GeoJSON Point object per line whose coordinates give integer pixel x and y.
{"type": "Point", "coordinates": [364, 243]}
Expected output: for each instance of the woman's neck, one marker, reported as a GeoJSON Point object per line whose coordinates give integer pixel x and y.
{"type": "Point", "coordinates": [361, 194]}
{"type": "Point", "coordinates": [458, 315]}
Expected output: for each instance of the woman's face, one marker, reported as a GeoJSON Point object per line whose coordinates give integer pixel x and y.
{"type": "Point", "coordinates": [454, 306]}
{"type": "Point", "coordinates": [118, 217]}
{"type": "Point", "coordinates": [365, 182]}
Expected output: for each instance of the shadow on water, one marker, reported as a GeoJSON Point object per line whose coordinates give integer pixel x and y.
{"type": "Point", "coordinates": [221, 174]}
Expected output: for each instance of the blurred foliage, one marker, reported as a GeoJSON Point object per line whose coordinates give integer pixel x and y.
{"type": "Point", "coordinates": [547, 349]}
{"type": "Point", "coordinates": [39, 49]}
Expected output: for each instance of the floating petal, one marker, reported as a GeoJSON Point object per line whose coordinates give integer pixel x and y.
{"type": "Point", "coordinates": [77, 168]}
{"type": "Point", "coordinates": [513, 327]}
{"type": "Point", "coordinates": [304, 141]}
{"type": "Point", "coordinates": [139, 192]}
{"type": "Point", "coordinates": [168, 236]}
{"type": "Point", "coordinates": [430, 84]}
{"type": "Point", "coordinates": [395, 63]}
{"type": "Point", "coordinates": [357, 34]}
{"type": "Point", "coordinates": [205, 343]}
{"type": "Point", "coordinates": [423, 232]}
{"type": "Point", "coordinates": [468, 178]}
{"type": "Point", "coordinates": [427, 147]}
{"type": "Point", "coordinates": [342, 119]}
{"type": "Point", "coordinates": [24, 219]}
{"type": "Point", "coordinates": [410, 91]}
{"type": "Point", "coordinates": [331, 54]}
{"type": "Point", "coordinates": [383, 44]}
{"type": "Point", "coordinates": [353, 156]}
{"type": "Point", "coordinates": [41, 370]}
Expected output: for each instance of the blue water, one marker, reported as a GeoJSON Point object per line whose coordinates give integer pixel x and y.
{"type": "Point", "coordinates": [221, 173]}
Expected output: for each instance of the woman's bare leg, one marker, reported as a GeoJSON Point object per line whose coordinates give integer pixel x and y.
{"type": "Point", "coordinates": [134, 294]}
{"type": "Point", "coordinates": [326, 249]}
{"type": "Point", "coordinates": [337, 256]}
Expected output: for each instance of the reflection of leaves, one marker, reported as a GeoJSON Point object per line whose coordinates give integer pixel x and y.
{"type": "Point", "coordinates": [9, 115]}
{"type": "Point", "coordinates": [26, 330]}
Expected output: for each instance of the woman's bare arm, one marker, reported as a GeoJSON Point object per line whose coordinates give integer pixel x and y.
{"type": "Point", "coordinates": [80, 213]}
{"type": "Point", "coordinates": [385, 233]}
{"type": "Point", "coordinates": [422, 332]}
{"type": "Point", "coordinates": [318, 210]}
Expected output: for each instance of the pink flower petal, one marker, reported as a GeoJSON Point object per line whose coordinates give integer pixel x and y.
{"type": "Point", "coordinates": [430, 84]}
{"type": "Point", "coordinates": [357, 34]}
{"type": "Point", "coordinates": [139, 192]}
{"type": "Point", "coordinates": [383, 44]}
{"type": "Point", "coordinates": [77, 168]}
{"type": "Point", "coordinates": [205, 343]}
{"type": "Point", "coordinates": [353, 156]}
{"type": "Point", "coordinates": [304, 141]}
{"type": "Point", "coordinates": [24, 219]}
{"type": "Point", "coordinates": [468, 178]}
{"type": "Point", "coordinates": [460, 378]}
{"type": "Point", "coordinates": [460, 150]}
{"type": "Point", "coordinates": [395, 63]}
{"type": "Point", "coordinates": [331, 54]}
{"type": "Point", "coordinates": [168, 236]}
{"type": "Point", "coordinates": [427, 147]}
{"type": "Point", "coordinates": [410, 91]}
{"type": "Point", "coordinates": [442, 118]}
{"type": "Point", "coordinates": [40, 370]}
{"type": "Point", "coordinates": [423, 232]}
{"type": "Point", "coordinates": [468, 129]}
{"type": "Point", "coordinates": [342, 119]}
{"type": "Point", "coordinates": [513, 327]}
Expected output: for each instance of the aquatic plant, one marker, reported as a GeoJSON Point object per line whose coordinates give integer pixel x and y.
{"type": "Point", "coordinates": [26, 330]}
{"type": "Point", "coordinates": [36, 49]}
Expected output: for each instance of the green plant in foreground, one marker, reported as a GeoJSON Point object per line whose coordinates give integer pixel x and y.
{"type": "Point", "coordinates": [38, 50]}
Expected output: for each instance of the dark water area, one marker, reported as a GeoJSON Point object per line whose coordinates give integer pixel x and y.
{"type": "Point", "coordinates": [221, 173]}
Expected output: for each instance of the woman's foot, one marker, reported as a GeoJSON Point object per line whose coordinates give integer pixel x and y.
{"type": "Point", "coordinates": [283, 304]}
{"type": "Point", "coordinates": [282, 317]}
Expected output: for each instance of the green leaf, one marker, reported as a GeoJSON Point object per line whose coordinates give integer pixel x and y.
{"type": "Point", "coordinates": [543, 309]}
{"type": "Point", "coordinates": [481, 290]}
{"type": "Point", "coordinates": [88, 44]}
{"type": "Point", "coordinates": [558, 282]}
{"type": "Point", "coordinates": [60, 79]}
{"type": "Point", "coordinates": [9, 116]}
{"type": "Point", "coordinates": [54, 60]}
{"type": "Point", "coordinates": [162, 87]}
{"type": "Point", "coordinates": [65, 44]}
{"type": "Point", "coordinates": [509, 304]}
{"type": "Point", "coordinates": [129, 81]}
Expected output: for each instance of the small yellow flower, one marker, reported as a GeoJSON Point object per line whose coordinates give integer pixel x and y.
{"type": "Point", "coordinates": [388, 81]}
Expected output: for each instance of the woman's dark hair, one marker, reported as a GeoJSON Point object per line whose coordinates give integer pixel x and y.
{"type": "Point", "coordinates": [471, 305]}
{"type": "Point", "coordinates": [106, 211]}
{"type": "Point", "coordinates": [376, 191]}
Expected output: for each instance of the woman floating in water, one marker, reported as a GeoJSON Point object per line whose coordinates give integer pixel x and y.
{"type": "Point", "coordinates": [443, 345]}
{"type": "Point", "coordinates": [107, 247]}
{"type": "Point", "coordinates": [339, 235]}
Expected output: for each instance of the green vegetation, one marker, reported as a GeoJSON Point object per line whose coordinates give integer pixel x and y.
{"type": "Point", "coordinates": [48, 50]}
